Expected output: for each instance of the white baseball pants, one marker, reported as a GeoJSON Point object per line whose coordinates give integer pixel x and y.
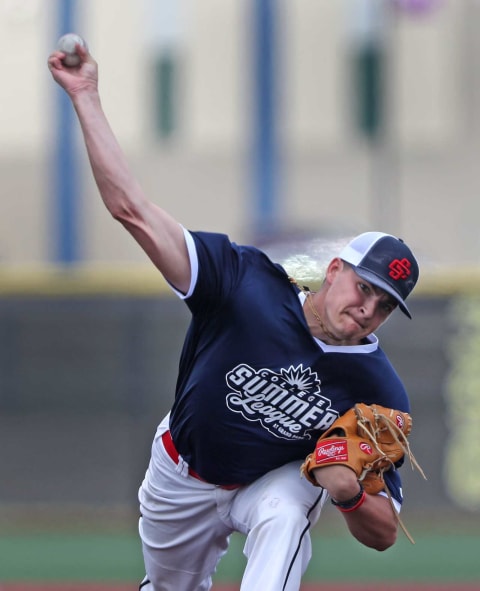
{"type": "Point", "coordinates": [186, 524]}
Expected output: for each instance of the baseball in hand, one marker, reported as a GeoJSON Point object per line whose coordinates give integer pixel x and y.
{"type": "Point", "coordinates": [67, 45]}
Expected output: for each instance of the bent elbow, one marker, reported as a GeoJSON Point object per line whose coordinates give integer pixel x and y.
{"type": "Point", "coordinates": [125, 206]}
{"type": "Point", "coordinates": [384, 542]}
{"type": "Point", "coordinates": [121, 213]}
{"type": "Point", "coordinates": [130, 218]}
{"type": "Point", "coordinates": [383, 546]}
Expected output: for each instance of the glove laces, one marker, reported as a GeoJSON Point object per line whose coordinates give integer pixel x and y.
{"type": "Point", "coordinates": [372, 430]}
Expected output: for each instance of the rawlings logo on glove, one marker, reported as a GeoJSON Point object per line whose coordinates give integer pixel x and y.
{"type": "Point", "coordinates": [331, 451]}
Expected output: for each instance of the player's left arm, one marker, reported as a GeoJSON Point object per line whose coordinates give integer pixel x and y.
{"type": "Point", "coordinates": [351, 460]}
{"type": "Point", "coordinates": [373, 522]}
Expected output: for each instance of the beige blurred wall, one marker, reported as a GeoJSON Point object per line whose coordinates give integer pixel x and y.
{"type": "Point", "coordinates": [421, 183]}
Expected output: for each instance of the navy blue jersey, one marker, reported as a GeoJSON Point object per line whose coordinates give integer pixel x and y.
{"type": "Point", "coordinates": [255, 388]}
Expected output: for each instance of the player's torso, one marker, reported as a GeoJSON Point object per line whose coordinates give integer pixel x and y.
{"type": "Point", "coordinates": [255, 388]}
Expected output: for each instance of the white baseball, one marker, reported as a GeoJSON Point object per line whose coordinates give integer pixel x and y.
{"type": "Point", "coordinates": [67, 44]}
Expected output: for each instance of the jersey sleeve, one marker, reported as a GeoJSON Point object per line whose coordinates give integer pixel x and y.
{"type": "Point", "coordinates": [221, 264]}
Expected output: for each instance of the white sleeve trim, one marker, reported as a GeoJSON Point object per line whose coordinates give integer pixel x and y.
{"type": "Point", "coordinates": [192, 253]}
{"type": "Point", "coordinates": [396, 504]}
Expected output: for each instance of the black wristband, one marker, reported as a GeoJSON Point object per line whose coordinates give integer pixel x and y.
{"type": "Point", "coordinates": [347, 505]}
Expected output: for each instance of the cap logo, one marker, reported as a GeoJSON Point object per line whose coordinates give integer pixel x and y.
{"type": "Point", "coordinates": [399, 269]}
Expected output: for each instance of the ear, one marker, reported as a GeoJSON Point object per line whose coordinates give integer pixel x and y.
{"type": "Point", "coordinates": [334, 267]}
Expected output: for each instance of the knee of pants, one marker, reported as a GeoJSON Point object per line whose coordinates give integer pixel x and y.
{"type": "Point", "coordinates": [145, 585]}
{"type": "Point", "coordinates": [280, 518]}
{"type": "Point", "coordinates": [281, 533]}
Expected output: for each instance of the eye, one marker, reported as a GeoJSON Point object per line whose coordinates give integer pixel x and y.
{"type": "Point", "coordinates": [388, 307]}
{"type": "Point", "coordinates": [365, 288]}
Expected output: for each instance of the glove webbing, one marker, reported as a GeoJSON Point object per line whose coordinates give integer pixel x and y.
{"type": "Point", "coordinates": [373, 433]}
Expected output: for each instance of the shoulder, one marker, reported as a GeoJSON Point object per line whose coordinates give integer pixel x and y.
{"type": "Point", "coordinates": [223, 266]}
{"type": "Point", "coordinates": [214, 249]}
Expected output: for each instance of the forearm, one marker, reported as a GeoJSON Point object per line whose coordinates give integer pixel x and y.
{"type": "Point", "coordinates": [118, 187]}
{"type": "Point", "coordinates": [372, 521]}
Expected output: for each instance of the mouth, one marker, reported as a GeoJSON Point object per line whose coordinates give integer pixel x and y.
{"type": "Point", "coordinates": [358, 322]}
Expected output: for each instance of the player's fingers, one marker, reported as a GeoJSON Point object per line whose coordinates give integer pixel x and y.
{"type": "Point", "coordinates": [86, 60]}
{"type": "Point", "coordinates": [82, 51]}
{"type": "Point", "coordinates": [55, 60]}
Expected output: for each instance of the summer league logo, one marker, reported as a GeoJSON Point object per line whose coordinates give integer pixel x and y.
{"type": "Point", "coordinates": [288, 404]}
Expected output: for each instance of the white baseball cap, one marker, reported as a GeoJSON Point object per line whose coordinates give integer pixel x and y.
{"type": "Point", "coordinates": [384, 261]}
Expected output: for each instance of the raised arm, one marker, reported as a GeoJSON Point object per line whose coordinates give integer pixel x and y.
{"type": "Point", "coordinates": [158, 233]}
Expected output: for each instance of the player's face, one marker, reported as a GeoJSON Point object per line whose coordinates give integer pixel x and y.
{"type": "Point", "coordinates": [352, 307]}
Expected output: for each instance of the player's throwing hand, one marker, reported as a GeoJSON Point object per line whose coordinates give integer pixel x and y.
{"type": "Point", "coordinates": [73, 79]}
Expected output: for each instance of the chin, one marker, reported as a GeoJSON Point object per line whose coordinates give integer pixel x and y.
{"type": "Point", "coordinates": [354, 335]}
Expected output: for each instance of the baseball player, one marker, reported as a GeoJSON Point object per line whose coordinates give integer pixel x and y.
{"type": "Point", "coordinates": [267, 366]}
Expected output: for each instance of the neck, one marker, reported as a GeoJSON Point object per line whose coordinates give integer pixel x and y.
{"type": "Point", "coordinates": [317, 327]}
{"type": "Point", "coordinates": [326, 335]}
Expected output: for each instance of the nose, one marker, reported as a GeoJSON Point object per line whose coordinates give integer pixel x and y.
{"type": "Point", "coordinates": [368, 307]}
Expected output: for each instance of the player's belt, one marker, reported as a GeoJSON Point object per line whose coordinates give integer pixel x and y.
{"type": "Point", "coordinates": [175, 456]}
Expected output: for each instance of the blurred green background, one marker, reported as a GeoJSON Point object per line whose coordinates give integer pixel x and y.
{"type": "Point", "coordinates": [446, 554]}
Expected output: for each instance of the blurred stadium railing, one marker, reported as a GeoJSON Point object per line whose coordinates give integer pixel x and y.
{"type": "Point", "coordinates": [88, 361]}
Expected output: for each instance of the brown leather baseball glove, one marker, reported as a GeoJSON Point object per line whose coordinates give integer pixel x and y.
{"type": "Point", "coordinates": [369, 439]}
